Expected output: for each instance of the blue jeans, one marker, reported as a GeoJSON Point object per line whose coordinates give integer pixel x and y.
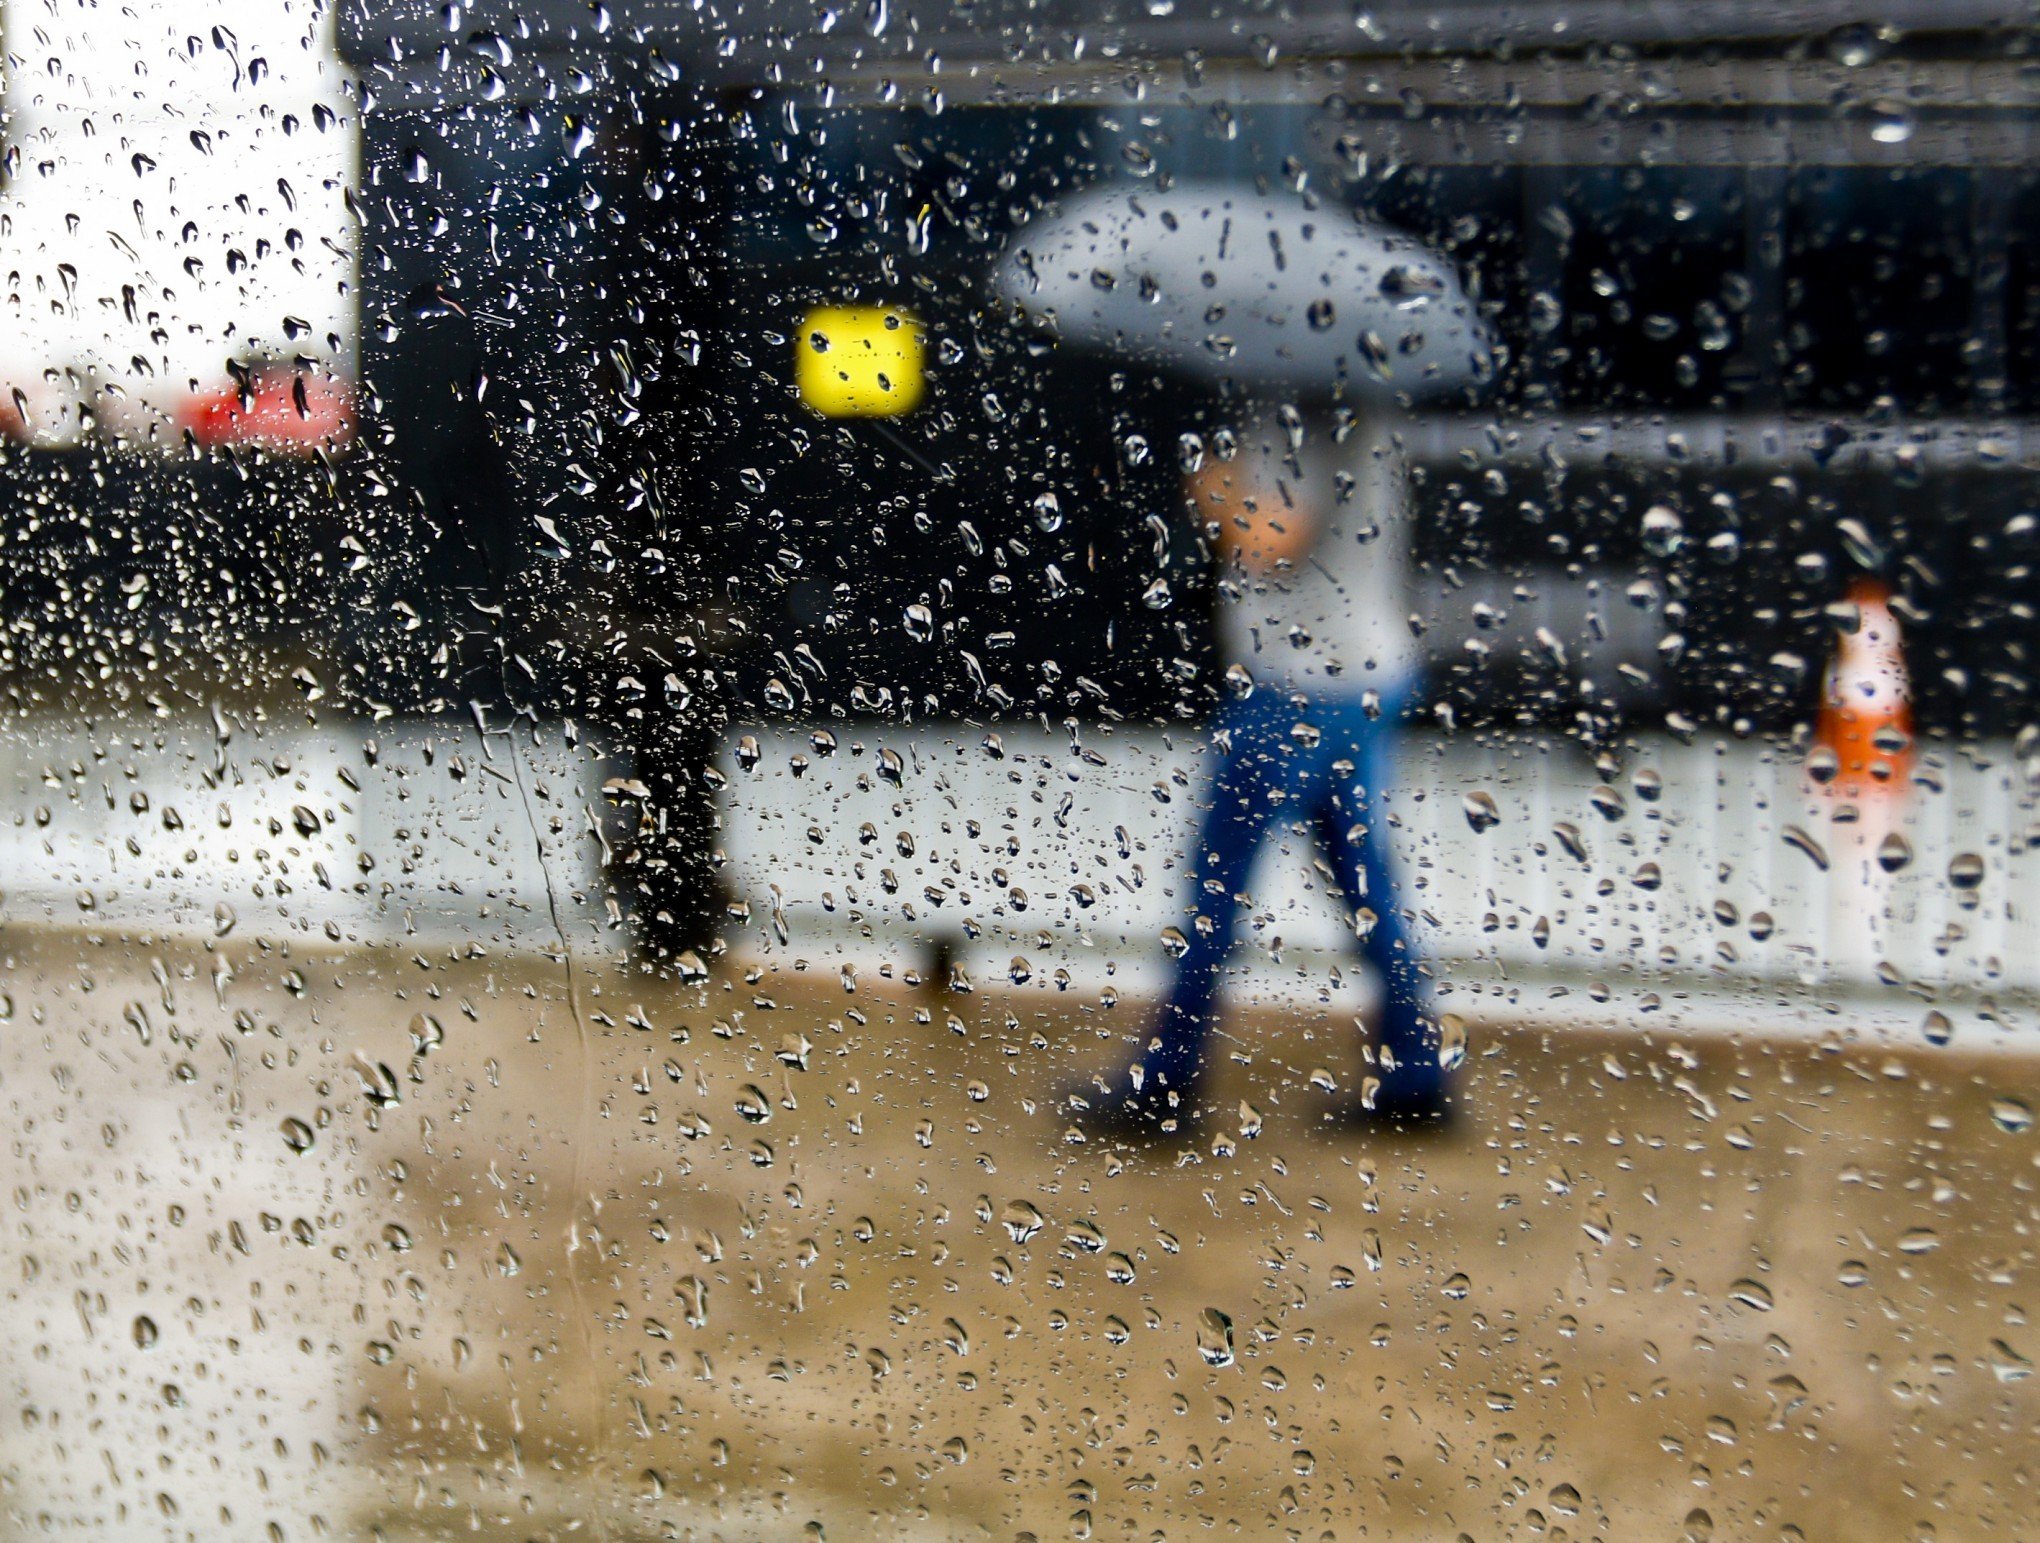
{"type": "Point", "coordinates": [1270, 776]}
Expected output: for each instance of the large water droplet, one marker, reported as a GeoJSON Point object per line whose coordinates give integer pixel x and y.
{"type": "Point", "coordinates": [1663, 531]}
{"type": "Point", "coordinates": [1855, 45]}
{"type": "Point", "coordinates": [1795, 837]}
{"type": "Point", "coordinates": [1021, 1220]}
{"type": "Point", "coordinates": [2012, 1115]}
{"type": "Point", "coordinates": [1409, 287]}
{"type": "Point", "coordinates": [1891, 123]}
{"type": "Point", "coordinates": [2006, 1364]}
{"type": "Point", "coordinates": [1215, 1337]}
{"type": "Point", "coordinates": [1085, 1237]}
{"type": "Point", "coordinates": [1481, 812]}
{"type": "Point", "coordinates": [1752, 1294]}
{"type": "Point", "coordinates": [1451, 1041]}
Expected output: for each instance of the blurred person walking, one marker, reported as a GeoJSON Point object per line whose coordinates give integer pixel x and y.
{"type": "Point", "coordinates": [1322, 306]}
{"type": "Point", "coordinates": [1313, 531]}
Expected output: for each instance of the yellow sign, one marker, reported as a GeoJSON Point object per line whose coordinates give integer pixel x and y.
{"type": "Point", "coordinates": [859, 361]}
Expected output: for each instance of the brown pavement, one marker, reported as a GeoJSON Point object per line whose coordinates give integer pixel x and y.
{"type": "Point", "coordinates": [572, 1286]}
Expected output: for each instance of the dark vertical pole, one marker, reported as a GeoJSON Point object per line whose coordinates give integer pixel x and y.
{"type": "Point", "coordinates": [1764, 265]}
{"type": "Point", "coordinates": [1989, 261]}
{"type": "Point", "coordinates": [1544, 255]}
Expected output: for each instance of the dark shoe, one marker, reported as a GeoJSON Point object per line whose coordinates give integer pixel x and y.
{"type": "Point", "coordinates": [1125, 1117]}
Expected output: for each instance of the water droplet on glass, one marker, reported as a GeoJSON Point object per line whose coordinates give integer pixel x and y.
{"type": "Point", "coordinates": [1410, 287]}
{"type": "Point", "coordinates": [2006, 1364]}
{"type": "Point", "coordinates": [1754, 1295]}
{"type": "Point", "coordinates": [427, 1034]}
{"type": "Point", "coordinates": [1607, 803]}
{"type": "Point", "coordinates": [1021, 1220]}
{"type": "Point", "coordinates": [1215, 1337]}
{"type": "Point", "coordinates": [1795, 837]}
{"type": "Point", "coordinates": [1085, 1237]}
{"type": "Point", "coordinates": [2011, 1115]}
{"type": "Point", "coordinates": [1663, 531]}
{"type": "Point", "coordinates": [1891, 123]}
{"type": "Point", "coordinates": [1855, 45]}
{"type": "Point", "coordinates": [1451, 1041]}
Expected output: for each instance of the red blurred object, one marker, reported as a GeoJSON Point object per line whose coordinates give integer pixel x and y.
{"type": "Point", "coordinates": [1866, 706]}
{"type": "Point", "coordinates": [283, 411]}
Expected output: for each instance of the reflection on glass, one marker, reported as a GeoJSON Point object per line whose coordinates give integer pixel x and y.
{"type": "Point", "coordinates": [1016, 774]}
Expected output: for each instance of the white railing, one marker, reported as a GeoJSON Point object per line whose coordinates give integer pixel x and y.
{"type": "Point", "coordinates": [1082, 827]}
{"type": "Point", "coordinates": [453, 830]}
{"type": "Point", "coordinates": [345, 833]}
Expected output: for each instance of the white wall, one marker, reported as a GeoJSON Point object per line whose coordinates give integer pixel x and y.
{"type": "Point", "coordinates": [1716, 834]}
{"type": "Point", "coordinates": [111, 193]}
{"type": "Point", "coordinates": [457, 858]}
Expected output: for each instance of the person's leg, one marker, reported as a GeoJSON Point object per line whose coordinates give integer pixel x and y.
{"type": "Point", "coordinates": [1259, 760]}
{"type": "Point", "coordinates": [1353, 829]}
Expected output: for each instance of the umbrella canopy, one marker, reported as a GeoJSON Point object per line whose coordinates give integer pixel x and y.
{"type": "Point", "coordinates": [1220, 282]}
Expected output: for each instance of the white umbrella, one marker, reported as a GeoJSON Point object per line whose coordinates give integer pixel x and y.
{"type": "Point", "coordinates": [1221, 282]}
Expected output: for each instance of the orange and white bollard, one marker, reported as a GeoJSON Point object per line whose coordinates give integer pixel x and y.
{"type": "Point", "coordinates": [1860, 766]}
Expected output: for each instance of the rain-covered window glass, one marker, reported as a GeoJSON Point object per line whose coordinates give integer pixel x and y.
{"type": "Point", "coordinates": [1018, 770]}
